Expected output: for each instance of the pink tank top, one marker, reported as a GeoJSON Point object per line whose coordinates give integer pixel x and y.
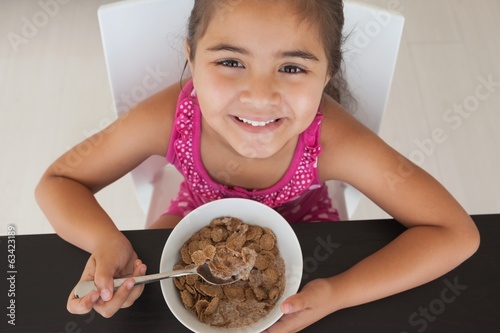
{"type": "Point", "coordinates": [298, 196]}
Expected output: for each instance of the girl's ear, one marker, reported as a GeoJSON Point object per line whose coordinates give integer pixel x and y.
{"type": "Point", "coordinates": [328, 78]}
{"type": "Point", "coordinates": [187, 50]}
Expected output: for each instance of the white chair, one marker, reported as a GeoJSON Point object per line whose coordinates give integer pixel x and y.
{"type": "Point", "coordinates": [143, 43]}
{"type": "Point", "coordinates": [370, 54]}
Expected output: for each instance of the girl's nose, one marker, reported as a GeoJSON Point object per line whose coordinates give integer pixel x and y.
{"type": "Point", "coordinates": [260, 93]}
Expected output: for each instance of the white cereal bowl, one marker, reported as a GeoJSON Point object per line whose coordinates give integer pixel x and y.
{"type": "Point", "coordinates": [250, 212]}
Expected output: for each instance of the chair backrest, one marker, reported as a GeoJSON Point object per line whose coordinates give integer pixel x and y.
{"type": "Point", "coordinates": [370, 53]}
{"type": "Point", "coordinates": [371, 49]}
{"type": "Point", "coordinates": [143, 43]}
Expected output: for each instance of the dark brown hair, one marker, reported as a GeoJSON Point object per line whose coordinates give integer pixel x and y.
{"type": "Point", "coordinates": [326, 15]}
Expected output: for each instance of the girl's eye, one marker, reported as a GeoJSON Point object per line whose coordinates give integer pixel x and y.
{"type": "Point", "coordinates": [229, 63]}
{"type": "Point", "coordinates": [290, 69]}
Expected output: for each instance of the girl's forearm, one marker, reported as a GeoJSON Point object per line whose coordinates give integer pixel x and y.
{"type": "Point", "coordinates": [75, 214]}
{"type": "Point", "coordinates": [419, 255]}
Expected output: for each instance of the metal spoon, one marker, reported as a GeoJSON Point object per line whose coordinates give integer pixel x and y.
{"type": "Point", "coordinates": [86, 287]}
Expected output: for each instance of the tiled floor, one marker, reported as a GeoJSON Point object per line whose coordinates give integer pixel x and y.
{"type": "Point", "coordinates": [54, 93]}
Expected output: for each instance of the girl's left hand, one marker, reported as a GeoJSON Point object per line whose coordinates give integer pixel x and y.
{"type": "Point", "coordinates": [311, 304]}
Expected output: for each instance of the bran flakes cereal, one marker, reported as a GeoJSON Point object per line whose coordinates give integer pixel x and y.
{"type": "Point", "coordinates": [232, 248]}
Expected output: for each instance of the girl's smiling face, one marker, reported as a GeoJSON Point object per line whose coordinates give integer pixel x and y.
{"type": "Point", "coordinates": [259, 75]}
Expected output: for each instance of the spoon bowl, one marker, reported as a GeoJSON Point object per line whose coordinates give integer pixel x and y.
{"type": "Point", "coordinates": [86, 287]}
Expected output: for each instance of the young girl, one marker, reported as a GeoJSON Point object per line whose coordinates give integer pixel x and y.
{"type": "Point", "coordinates": [257, 102]}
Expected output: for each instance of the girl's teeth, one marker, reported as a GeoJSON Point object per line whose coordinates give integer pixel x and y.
{"type": "Point", "coordinates": [256, 123]}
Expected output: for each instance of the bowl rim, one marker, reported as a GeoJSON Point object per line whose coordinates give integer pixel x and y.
{"type": "Point", "coordinates": [254, 214]}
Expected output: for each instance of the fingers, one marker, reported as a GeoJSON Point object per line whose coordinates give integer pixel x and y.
{"type": "Point", "coordinates": [313, 295]}
{"type": "Point", "coordinates": [108, 308]}
{"type": "Point", "coordinates": [288, 324]}
{"type": "Point", "coordinates": [303, 309]}
{"type": "Point", "coordinates": [82, 305]}
{"type": "Point", "coordinates": [296, 314]}
{"type": "Point", "coordinates": [294, 303]}
{"type": "Point", "coordinates": [139, 270]}
{"type": "Point", "coordinates": [293, 322]}
{"type": "Point", "coordinates": [103, 278]}
{"type": "Point", "coordinates": [111, 302]}
{"type": "Point", "coordinates": [124, 296]}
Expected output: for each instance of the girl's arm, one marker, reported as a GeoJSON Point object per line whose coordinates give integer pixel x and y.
{"type": "Point", "coordinates": [66, 191]}
{"type": "Point", "coordinates": [439, 237]}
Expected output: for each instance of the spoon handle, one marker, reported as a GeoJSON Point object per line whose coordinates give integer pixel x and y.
{"type": "Point", "coordinates": [84, 288]}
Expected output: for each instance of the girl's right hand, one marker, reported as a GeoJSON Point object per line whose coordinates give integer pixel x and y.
{"type": "Point", "coordinates": [105, 264]}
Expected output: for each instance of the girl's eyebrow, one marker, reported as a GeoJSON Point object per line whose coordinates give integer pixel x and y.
{"type": "Point", "coordinates": [306, 55]}
{"type": "Point", "coordinates": [303, 54]}
{"type": "Point", "coordinates": [230, 48]}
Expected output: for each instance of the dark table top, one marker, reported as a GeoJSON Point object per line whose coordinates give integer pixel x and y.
{"type": "Point", "coordinates": [466, 300]}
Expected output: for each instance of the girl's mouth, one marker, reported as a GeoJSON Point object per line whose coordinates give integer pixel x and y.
{"type": "Point", "coordinates": [255, 123]}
